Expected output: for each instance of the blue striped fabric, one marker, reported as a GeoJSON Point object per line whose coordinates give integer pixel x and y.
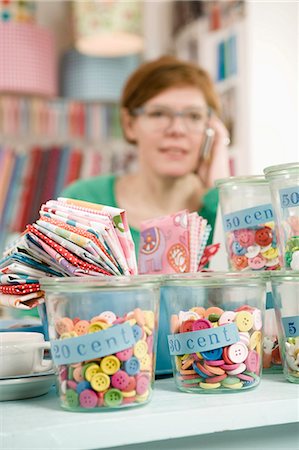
{"type": "Point", "coordinates": [93, 78]}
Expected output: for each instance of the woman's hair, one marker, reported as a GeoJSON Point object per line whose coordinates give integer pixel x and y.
{"type": "Point", "coordinates": [151, 78]}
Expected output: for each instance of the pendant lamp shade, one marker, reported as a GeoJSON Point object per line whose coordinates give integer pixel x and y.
{"type": "Point", "coordinates": [89, 78]}
{"type": "Point", "coordinates": [28, 62]}
{"type": "Point", "coordinates": [108, 27]}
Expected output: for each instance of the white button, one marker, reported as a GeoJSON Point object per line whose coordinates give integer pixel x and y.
{"type": "Point", "coordinates": [238, 352]}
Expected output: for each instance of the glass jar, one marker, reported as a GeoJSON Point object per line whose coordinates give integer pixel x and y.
{"type": "Point", "coordinates": [103, 339]}
{"type": "Point", "coordinates": [284, 185]}
{"type": "Point", "coordinates": [216, 321]}
{"type": "Point", "coordinates": [285, 288]}
{"type": "Point", "coordinates": [248, 223]}
{"type": "Point", "coordinates": [251, 244]}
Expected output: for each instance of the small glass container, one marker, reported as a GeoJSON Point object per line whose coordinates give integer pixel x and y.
{"type": "Point", "coordinates": [216, 321]}
{"type": "Point", "coordinates": [103, 339]}
{"type": "Point", "coordinates": [285, 288]}
{"type": "Point", "coordinates": [251, 245]}
{"type": "Point", "coordinates": [284, 185]}
{"type": "Point", "coordinates": [248, 223]}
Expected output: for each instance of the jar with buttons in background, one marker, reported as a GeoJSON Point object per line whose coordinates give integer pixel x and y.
{"type": "Point", "coordinates": [285, 288]}
{"type": "Point", "coordinates": [216, 322]}
{"type": "Point", "coordinates": [251, 244]}
{"type": "Point", "coordinates": [284, 185]}
{"type": "Point", "coordinates": [103, 339]}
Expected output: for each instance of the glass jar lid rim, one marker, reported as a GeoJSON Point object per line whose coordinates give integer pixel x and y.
{"type": "Point", "coordinates": [281, 168]}
{"type": "Point", "coordinates": [289, 275]}
{"type": "Point", "coordinates": [241, 180]}
{"type": "Point", "coordinates": [100, 281]}
{"type": "Point", "coordinates": [220, 276]}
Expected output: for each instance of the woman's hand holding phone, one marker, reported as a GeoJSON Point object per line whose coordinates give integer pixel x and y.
{"type": "Point", "coordinates": [213, 157]}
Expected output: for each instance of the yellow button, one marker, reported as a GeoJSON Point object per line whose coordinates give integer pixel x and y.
{"type": "Point", "coordinates": [209, 385]}
{"type": "Point", "coordinates": [149, 319]}
{"type": "Point", "coordinates": [132, 322]}
{"type": "Point", "coordinates": [145, 362]}
{"type": "Point", "coordinates": [255, 339]}
{"type": "Point", "coordinates": [271, 253]}
{"type": "Point", "coordinates": [147, 330]}
{"type": "Point", "coordinates": [110, 364]}
{"type": "Point", "coordinates": [178, 363]}
{"type": "Point", "coordinates": [97, 326]}
{"type": "Point", "coordinates": [100, 382]}
{"type": "Point", "coordinates": [68, 335]}
{"type": "Point", "coordinates": [129, 394]}
{"type": "Point", "coordinates": [91, 370]}
{"type": "Point", "coordinates": [142, 398]}
{"type": "Point", "coordinates": [244, 320]}
{"type": "Point", "coordinates": [140, 349]}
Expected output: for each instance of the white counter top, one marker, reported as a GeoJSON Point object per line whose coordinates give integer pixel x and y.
{"type": "Point", "coordinates": [41, 423]}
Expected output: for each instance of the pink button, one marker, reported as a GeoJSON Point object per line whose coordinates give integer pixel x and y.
{"type": "Point", "coordinates": [78, 375]}
{"type": "Point", "coordinates": [124, 355]}
{"type": "Point", "coordinates": [257, 263]}
{"type": "Point", "coordinates": [71, 384]}
{"type": "Point", "coordinates": [238, 370]}
{"type": "Point", "coordinates": [238, 352]}
{"type": "Point", "coordinates": [131, 386]}
{"type": "Point", "coordinates": [227, 317]}
{"type": "Point", "coordinates": [201, 324]}
{"type": "Point", "coordinates": [229, 366]}
{"type": "Point", "coordinates": [63, 373]}
{"type": "Point", "coordinates": [88, 399]}
{"type": "Point", "coordinates": [252, 361]}
{"type": "Point", "coordinates": [245, 377]}
{"type": "Point", "coordinates": [120, 380]}
{"type": "Point", "coordinates": [142, 384]}
{"type": "Point", "coordinates": [245, 237]}
{"type": "Point", "coordinates": [150, 343]}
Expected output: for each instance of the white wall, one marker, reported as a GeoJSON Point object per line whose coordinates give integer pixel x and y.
{"type": "Point", "coordinates": [272, 79]}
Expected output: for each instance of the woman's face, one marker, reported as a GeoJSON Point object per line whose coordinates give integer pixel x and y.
{"type": "Point", "coordinates": [169, 145]}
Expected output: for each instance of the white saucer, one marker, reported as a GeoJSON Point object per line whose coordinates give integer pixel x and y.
{"type": "Point", "coordinates": [27, 386]}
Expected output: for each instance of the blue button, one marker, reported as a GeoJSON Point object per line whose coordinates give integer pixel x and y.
{"type": "Point", "coordinates": [137, 332]}
{"type": "Point", "coordinates": [132, 366]}
{"type": "Point", "coordinates": [198, 371]}
{"type": "Point", "coordinates": [212, 355]}
{"type": "Point", "coordinates": [82, 386]}
{"type": "Point", "coordinates": [238, 249]}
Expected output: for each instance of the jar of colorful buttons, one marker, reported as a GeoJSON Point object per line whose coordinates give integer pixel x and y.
{"type": "Point", "coordinates": [285, 288]}
{"type": "Point", "coordinates": [251, 244]}
{"type": "Point", "coordinates": [103, 339]}
{"type": "Point", "coordinates": [216, 322]}
{"type": "Point", "coordinates": [284, 185]}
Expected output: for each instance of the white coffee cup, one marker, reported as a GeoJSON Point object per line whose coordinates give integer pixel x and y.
{"type": "Point", "coordinates": [22, 353]}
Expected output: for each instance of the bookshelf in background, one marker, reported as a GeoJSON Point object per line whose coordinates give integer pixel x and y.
{"type": "Point", "coordinates": [213, 36]}
{"type": "Point", "coordinates": [47, 144]}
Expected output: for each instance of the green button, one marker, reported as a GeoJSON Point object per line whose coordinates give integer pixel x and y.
{"type": "Point", "coordinates": [72, 398]}
{"type": "Point", "coordinates": [113, 397]}
{"type": "Point", "coordinates": [214, 317]}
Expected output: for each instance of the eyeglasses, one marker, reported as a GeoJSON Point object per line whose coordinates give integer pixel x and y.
{"type": "Point", "coordinates": [159, 118]}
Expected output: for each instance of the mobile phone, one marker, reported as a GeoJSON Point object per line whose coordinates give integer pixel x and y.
{"type": "Point", "coordinates": [206, 146]}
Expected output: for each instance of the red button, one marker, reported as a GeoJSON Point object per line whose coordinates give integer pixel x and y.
{"type": "Point", "coordinates": [264, 236]}
{"type": "Point", "coordinates": [186, 326]}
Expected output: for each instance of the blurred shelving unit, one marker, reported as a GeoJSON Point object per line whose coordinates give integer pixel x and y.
{"type": "Point", "coordinates": [47, 144]}
{"type": "Point", "coordinates": [217, 42]}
